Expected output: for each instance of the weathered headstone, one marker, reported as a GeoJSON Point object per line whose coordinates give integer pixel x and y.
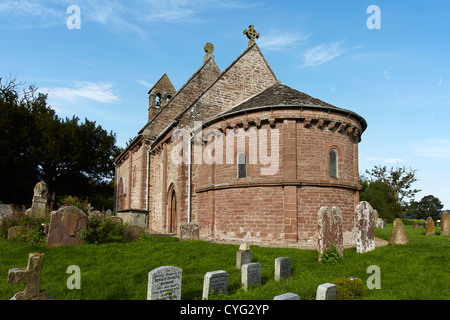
{"type": "Point", "coordinates": [287, 296]}
{"type": "Point", "coordinates": [379, 223]}
{"type": "Point", "coordinates": [375, 215]}
{"type": "Point", "coordinates": [215, 281]}
{"type": "Point", "coordinates": [282, 268]}
{"type": "Point", "coordinates": [15, 232]}
{"type": "Point", "coordinates": [64, 226]}
{"type": "Point", "coordinates": [131, 233]}
{"type": "Point", "coordinates": [164, 283]}
{"type": "Point", "coordinates": [330, 230]}
{"type": "Point", "coordinates": [365, 227]}
{"type": "Point", "coordinates": [244, 255]}
{"type": "Point", "coordinates": [40, 198]}
{"type": "Point", "coordinates": [5, 210]}
{"type": "Point", "coordinates": [326, 291]}
{"type": "Point", "coordinates": [416, 225]}
{"type": "Point", "coordinates": [250, 275]}
{"type": "Point", "coordinates": [31, 276]}
{"type": "Point", "coordinates": [445, 224]}
{"type": "Point", "coordinates": [189, 231]}
{"type": "Point", "coordinates": [108, 213]}
{"type": "Point", "coordinates": [429, 227]}
{"type": "Point", "coordinates": [398, 233]}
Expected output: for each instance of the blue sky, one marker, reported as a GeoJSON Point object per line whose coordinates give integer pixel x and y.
{"type": "Point", "coordinates": [396, 77]}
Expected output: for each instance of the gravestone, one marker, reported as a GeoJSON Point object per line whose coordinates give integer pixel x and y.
{"type": "Point", "coordinates": [215, 281]}
{"type": "Point", "coordinates": [31, 276]}
{"type": "Point", "coordinates": [398, 233]}
{"type": "Point", "coordinates": [189, 231]}
{"type": "Point", "coordinates": [445, 224]}
{"type": "Point", "coordinates": [5, 210]}
{"type": "Point", "coordinates": [64, 226]}
{"type": "Point", "coordinates": [282, 268]}
{"type": "Point", "coordinates": [40, 198]}
{"type": "Point", "coordinates": [15, 232]}
{"type": "Point", "coordinates": [131, 233]}
{"type": "Point", "coordinates": [164, 283]}
{"type": "Point", "coordinates": [287, 296]}
{"type": "Point", "coordinates": [108, 213]}
{"type": "Point", "coordinates": [326, 291]}
{"type": "Point", "coordinates": [244, 255]}
{"type": "Point", "coordinates": [250, 275]}
{"type": "Point", "coordinates": [379, 223]}
{"type": "Point", "coordinates": [365, 227]}
{"type": "Point", "coordinates": [330, 230]}
{"type": "Point", "coordinates": [429, 227]}
{"type": "Point", "coordinates": [416, 225]}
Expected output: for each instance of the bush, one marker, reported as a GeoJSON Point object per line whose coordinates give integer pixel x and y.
{"type": "Point", "coordinates": [330, 255]}
{"type": "Point", "coordinates": [349, 288]}
{"type": "Point", "coordinates": [74, 201]}
{"type": "Point", "coordinates": [34, 225]}
{"type": "Point", "coordinates": [99, 229]}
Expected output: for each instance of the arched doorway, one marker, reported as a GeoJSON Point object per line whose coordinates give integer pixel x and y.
{"type": "Point", "coordinates": [172, 210]}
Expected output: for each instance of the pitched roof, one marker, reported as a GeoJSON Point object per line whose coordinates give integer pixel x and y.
{"type": "Point", "coordinates": [164, 84]}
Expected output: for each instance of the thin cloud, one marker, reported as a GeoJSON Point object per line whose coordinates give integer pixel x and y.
{"type": "Point", "coordinates": [30, 14]}
{"type": "Point", "coordinates": [144, 83]}
{"type": "Point", "coordinates": [323, 53]}
{"type": "Point", "coordinates": [102, 93]}
{"type": "Point", "coordinates": [394, 160]}
{"type": "Point", "coordinates": [434, 148]}
{"type": "Point", "coordinates": [278, 41]}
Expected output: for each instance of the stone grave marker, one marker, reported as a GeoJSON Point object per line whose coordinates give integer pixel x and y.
{"type": "Point", "coordinates": [31, 276]}
{"type": "Point", "coordinates": [326, 291]}
{"type": "Point", "coordinates": [287, 296]}
{"type": "Point", "coordinates": [164, 283]}
{"type": "Point", "coordinates": [365, 227]}
{"type": "Point", "coordinates": [131, 233]}
{"type": "Point", "coordinates": [189, 231]}
{"type": "Point", "coordinates": [244, 255]}
{"type": "Point", "coordinates": [445, 224]}
{"type": "Point", "coordinates": [379, 223]}
{"type": "Point", "coordinates": [282, 268]}
{"type": "Point", "coordinates": [64, 226]}
{"type": "Point", "coordinates": [398, 233]}
{"type": "Point", "coordinates": [5, 210]}
{"type": "Point", "coordinates": [330, 230]}
{"type": "Point", "coordinates": [39, 198]}
{"type": "Point", "coordinates": [250, 275]}
{"type": "Point", "coordinates": [429, 227]}
{"type": "Point", "coordinates": [215, 281]}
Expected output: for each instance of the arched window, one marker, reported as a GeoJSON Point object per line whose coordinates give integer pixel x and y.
{"type": "Point", "coordinates": [333, 164]}
{"type": "Point", "coordinates": [242, 165]}
{"type": "Point", "coordinates": [158, 100]}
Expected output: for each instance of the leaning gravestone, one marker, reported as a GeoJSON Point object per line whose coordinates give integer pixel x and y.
{"type": "Point", "coordinates": [365, 227]}
{"type": "Point", "coordinates": [250, 275]}
{"type": "Point", "coordinates": [429, 227]}
{"type": "Point", "coordinates": [40, 198]}
{"type": "Point", "coordinates": [398, 233]}
{"type": "Point", "coordinates": [164, 283]}
{"type": "Point", "coordinates": [330, 230]}
{"type": "Point", "coordinates": [445, 224]}
{"type": "Point", "coordinates": [326, 291]}
{"type": "Point", "coordinates": [287, 296]}
{"type": "Point", "coordinates": [214, 282]}
{"type": "Point", "coordinates": [64, 226]}
{"type": "Point", "coordinates": [244, 255]}
{"type": "Point", "coordinates": [31, 276]}
{"type": "Point", "coordinates": [5, 210]}
{"type": "Point", "coordinates": [282, 268]}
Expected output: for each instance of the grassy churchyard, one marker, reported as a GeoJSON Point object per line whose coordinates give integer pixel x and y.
{"type": "Point", "coordinates": [118, 270]}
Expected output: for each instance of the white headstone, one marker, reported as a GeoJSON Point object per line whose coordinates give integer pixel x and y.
{"type": "Point", "coordinates": [365, 225]}
{"type": "Point", "coordinates": [215, 281]}
{"type": "Point", "coordinates": [282, 268]}
{"type": "Point", "coordinates": [287, 296]}
{"type": "Point", "coordinates": [326, 291]}
{"type": "Point", "coordinates": [250, 275]}
{"type": "Point", "coordinates": [164, 283]}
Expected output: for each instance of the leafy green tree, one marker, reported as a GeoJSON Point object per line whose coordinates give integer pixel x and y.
{"type": "Point", "coordinates": [72, 157]}
{"type": "Point", "coordinates": [428, 206]}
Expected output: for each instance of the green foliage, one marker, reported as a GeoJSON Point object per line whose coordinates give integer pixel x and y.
{"type": "Point", "coordinates": [157, 238]}
{"type": "Point", "coordinates": [428, 206]}
{"type": "Point", "coordinates": [74, 201]}
{"type": "Point", "coordinates": [33, 227]}
{"type": "Point", "coordinates": [99, 229]}
{"type": "Point", "coordinates": [349, 288]}
{"type": "Point", "coordinates": [331, 255]}
{"type": "Point", "coordinates": [382, 197]}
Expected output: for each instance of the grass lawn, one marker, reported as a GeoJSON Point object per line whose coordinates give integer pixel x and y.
{"type": "Point", "coordinates": [117, 270]}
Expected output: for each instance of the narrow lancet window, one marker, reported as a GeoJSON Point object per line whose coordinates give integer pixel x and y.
{"type": "Point", "coordinates": [242, 165]}
{"type": "Point", "coordinates": [333, 164]}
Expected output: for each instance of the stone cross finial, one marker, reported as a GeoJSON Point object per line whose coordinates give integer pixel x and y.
{"type": "Point", "coordinates": [209, 48]}
{"type": "Point", "coordinates": [251, 35]}
{"type": "Point", "coordinates": [31, 276]}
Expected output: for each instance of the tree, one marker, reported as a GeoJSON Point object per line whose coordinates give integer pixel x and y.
{"type": "Point", "coordinates": [399, 179]}
{"type": "Point", "coordinates": [71, 157]}
{"type": "Point", "coordinates": [382, 198]}
{"type": "Point", "coordinates": [428, 206]}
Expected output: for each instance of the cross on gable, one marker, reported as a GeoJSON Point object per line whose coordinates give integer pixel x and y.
{"type": "Point", "coordinates": [251, 35]}
{"type": "Point", "coordinates": [31, 276]}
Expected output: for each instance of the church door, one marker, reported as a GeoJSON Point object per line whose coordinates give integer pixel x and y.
{"type": "Point", "coordinates": [173, 213]}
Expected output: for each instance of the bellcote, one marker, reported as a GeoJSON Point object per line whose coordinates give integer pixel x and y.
{"type": "Point", "coordinates": [159, 95]}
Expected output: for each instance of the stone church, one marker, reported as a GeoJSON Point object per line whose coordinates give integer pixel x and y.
{"type": "Point", "coordinates": [241, 154]}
